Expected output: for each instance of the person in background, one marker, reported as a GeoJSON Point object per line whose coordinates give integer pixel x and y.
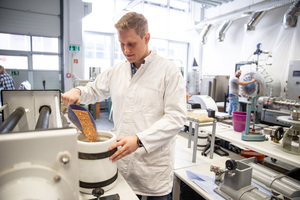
{"type": "Point", "coordinates": [233, 96]}
{"type": "Point", "coordinates": [6, 81]}
{"type": "Point", "coordinates": [149, 103]}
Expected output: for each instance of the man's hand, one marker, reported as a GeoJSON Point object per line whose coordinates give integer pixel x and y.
{"type": "Point", "coordinates": [127, 145]}
{"type": "Point", "coordinates": [71, 97]}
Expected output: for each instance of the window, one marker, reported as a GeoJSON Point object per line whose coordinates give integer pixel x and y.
{"type": "Point", "coordinates": [14, 62]}
{"type": "Point", "coordinates": [164, 19]}
{"type": "Point", "coordinates": [14, 42]}
{"type": "Point", "coordinates": [118, 55]}
{"type": "Point", "coordinates": [44, 44]}
{"type": "Point", "coordinates": [179, 21]}
{"type": "Point", "coordinates": [157, 16]}
{"type": "Point", "coordinates": [159, 45]}
{"type": "Point", "coordinates": [45, 62]}
{"type": "Point", "coordinates": [98, 48]}
{"type": "Point", "coordinates": [178, 53]}
{"type": "Point", "coordinates": [175, 51]}
{"type": "Point", "coordinates": [44, 52]}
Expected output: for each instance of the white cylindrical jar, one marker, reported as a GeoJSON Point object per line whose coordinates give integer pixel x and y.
{"type": "Point", "coordinates": [202, 140]}
{"type": "Point", "coordinates": [96, 170]}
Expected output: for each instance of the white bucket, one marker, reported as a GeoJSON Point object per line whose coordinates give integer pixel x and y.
{"type": "Point", "coordinates": [202, 140]}
{"type": "Point", "coordinates": [96, 170]}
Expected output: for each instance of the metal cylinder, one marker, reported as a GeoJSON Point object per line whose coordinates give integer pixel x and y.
{"type": "Point", "coordinates": [43, 120]}
{"type": "Point", "coordinates": [10, 123]}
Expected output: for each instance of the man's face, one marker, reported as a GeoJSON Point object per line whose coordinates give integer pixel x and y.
{"type": "Point", "coordinates": [134, 48]}
{"type": "Point", "coordinates": [238, 73]}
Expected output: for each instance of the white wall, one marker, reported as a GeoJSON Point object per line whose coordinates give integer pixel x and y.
{"type": "Point", "coordinates": [73, 15]}
{"type": "Point", "coordinates": [219, 58]}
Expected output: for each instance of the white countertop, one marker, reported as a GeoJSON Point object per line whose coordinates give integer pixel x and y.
{"type": "Point", "coordinates": [269, 148]}
{"type": "Point", "coordinates": [183, 163]}
{"type": "Point", "coordinates": [122, 188]}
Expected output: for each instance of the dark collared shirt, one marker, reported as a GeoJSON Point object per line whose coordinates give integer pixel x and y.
{"type": "Point", "coordinates": [7, 82]}
{"type": "Point", "coordinates": [133, 69]}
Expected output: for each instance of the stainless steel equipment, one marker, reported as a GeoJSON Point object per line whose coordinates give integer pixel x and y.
{"type": "Point", "coordinates": [269, 108]}
{"type": "Point", "coordinates": [40, 164]}
{"type": "Point", "coordinates": [94, 72]}
{"type": "Point", "coordinates": [277, 182]}
{"type": "Point", "coordinates": [215, 86]}
{"type": "Point", "coordinates": [267, 83]}
{"type": "Point", "coordinates": [293, 83]}
{"type": "Point", "coordinates": [238, 176]}
{"type": "Point", "coordinates": [237, 182]}
{"type": "Point", "coordinates": [193, 82]}
{"type": "Point", "coordinates": [38, 109]}
{"type": "Point", "coordinates": [290, 140]}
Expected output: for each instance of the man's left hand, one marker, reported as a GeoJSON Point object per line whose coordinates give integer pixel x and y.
{"type": "Point", "coordinates": [127, 145]}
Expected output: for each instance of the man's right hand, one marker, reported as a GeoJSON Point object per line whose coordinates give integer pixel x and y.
{"type": "Point", "coordinates": [71, 97]}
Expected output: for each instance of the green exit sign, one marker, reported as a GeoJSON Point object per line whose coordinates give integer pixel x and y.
{"type": "Point", "coordinates": [14, 73]}
{"type": "Point", "coordinates": [74, 48]}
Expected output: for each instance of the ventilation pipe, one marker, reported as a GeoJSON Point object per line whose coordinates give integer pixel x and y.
{"type": "Point", "coordinates": [88, 8]}
{"type": "Point", "coordinates": [205, 32]}
{"type": "Point", "coordinates": [223, 29]}
{"type": "Point", "coordinates": [253, 20]}
{"type": "Point", "coordinates": [291, 15]}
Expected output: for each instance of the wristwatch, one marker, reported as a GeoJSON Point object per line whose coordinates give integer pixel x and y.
{"type": "Point", "coordinates": [139, 142]}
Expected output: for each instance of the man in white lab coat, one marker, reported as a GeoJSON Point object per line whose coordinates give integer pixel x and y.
{"type": "Point", "coordinates": [148, 98]}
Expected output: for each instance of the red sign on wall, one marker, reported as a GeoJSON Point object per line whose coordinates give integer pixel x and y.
{"type": "Point", "coordinates": [76, 61]}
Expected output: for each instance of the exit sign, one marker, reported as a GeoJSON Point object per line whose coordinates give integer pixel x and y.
{"type": "Point", "coordinates": [14, 73]}
{"type": "Point", "coordinates": [74, 48]}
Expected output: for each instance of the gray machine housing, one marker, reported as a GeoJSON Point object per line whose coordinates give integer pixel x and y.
{"type": "Point", "coordinates": [269, 108]}
{"type": "Point", "coordinates": [32, 101]}
{"type": "Point", "coordinates": [293, 83]}
{"type": "Point", "coordinates": [215, 86]}
{"type": "Point", "coordinates": [237, 182]}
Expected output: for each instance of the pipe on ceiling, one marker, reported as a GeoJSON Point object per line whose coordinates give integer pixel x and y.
{"type": "Point", "coordinates": [205, 32]}
{"type": "Point", "coordinates": [223, 29]}
{"type": "Point", "coordinates": [253, 20]}
{"type": "Point", "coordinates": [290, 17]}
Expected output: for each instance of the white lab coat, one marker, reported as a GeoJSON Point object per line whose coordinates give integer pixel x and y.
{"type": "Point", "coordinates": [151, 105]}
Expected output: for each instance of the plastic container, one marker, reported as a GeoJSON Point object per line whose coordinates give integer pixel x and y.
{"type": "Point", "coordinates": [250, 153]}
{"type": "Point", "coordinates": [239, 121]}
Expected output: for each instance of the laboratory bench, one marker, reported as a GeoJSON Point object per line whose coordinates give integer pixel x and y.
{"type": "Point", "coordinates": [183, 163]}
{"type": "Point", "coordinates": [187, 160]}
{"type": "Point", "coordinates": [268, 147]}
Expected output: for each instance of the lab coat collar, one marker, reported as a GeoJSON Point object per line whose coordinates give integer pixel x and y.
{"type": "Point", "coordinates": [150, 57]}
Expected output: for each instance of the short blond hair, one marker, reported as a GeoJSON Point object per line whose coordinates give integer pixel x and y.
{"type": "Point", "coordinates": [2, 70]}
{"type": "Point", "coordinates": [133, 20]}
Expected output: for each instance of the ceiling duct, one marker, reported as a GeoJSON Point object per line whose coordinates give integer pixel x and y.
{"type": "Point", "coordinates": [291, 15]}
{"type": "Point", "coordinates": [254, 19]}
{"type": "Point", "coordinates": [205, 32]}
{"type": "Point", "coordinates": [88, 8]}
{"type": "Point", "coordinates": [223, 29]}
